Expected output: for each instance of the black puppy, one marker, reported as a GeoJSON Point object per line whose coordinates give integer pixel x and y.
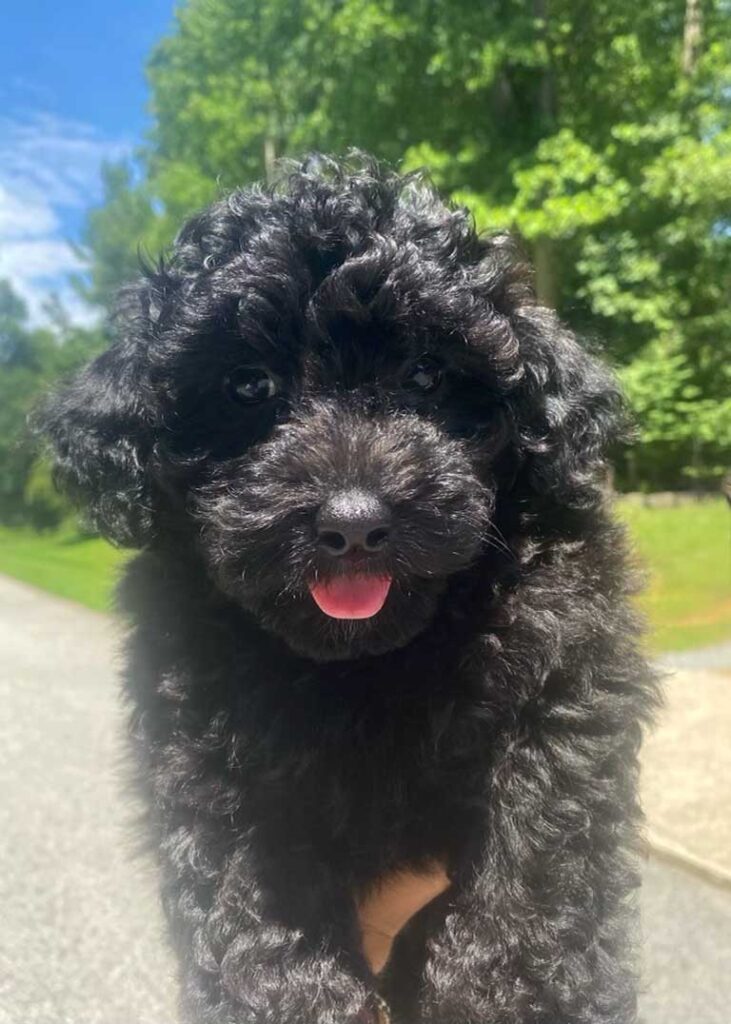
{"type": "Point", "coordinates": [381, 617]}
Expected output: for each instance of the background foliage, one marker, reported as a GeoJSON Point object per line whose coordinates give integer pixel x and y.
{"type": "Point", "coordinates": [597, 130]}
{"type": "Point", "coordinates": [30, 359]}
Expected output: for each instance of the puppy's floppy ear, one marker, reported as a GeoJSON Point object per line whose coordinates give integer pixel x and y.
{"type": "Point", "coordinates": [570, 411]}
{"type": "Point", "coordinates": [100, 426]}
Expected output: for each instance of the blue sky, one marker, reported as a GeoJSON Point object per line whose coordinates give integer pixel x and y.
{"type": "Point", "coordinates": [72, 94]}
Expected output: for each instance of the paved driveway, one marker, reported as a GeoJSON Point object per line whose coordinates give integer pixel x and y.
{"type": "Point", "coordinates": [80, 929]}
{"type": "Point", "coordinates": [81, 933]}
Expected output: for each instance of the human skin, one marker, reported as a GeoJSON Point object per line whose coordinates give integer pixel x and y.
{"type": "Point", "coordinates": [388, 907]}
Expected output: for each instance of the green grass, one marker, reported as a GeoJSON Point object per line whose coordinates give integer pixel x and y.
{"type": "Point", "coordinates": [687, 550]}
{"type": "Point", "coordinates": [76, 567]}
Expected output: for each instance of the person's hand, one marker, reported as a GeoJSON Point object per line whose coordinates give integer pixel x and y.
{"type": "Point", "coordinates": [391, 905]}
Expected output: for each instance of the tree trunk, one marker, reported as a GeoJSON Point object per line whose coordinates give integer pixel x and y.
{"type": "Point", "coordinates": [545, 250]}
{"type": "Point", "coordinates": [546, 83]}
{"type": "Point", "coordinates": [545, 261]}
{"type": "Point", "coordinates": [692, 36]}
{"type": "Point", "coordinates": [270, 159]}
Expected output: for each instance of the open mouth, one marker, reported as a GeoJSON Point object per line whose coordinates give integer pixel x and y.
{"type": "Point", "coordinates": [351, 597]}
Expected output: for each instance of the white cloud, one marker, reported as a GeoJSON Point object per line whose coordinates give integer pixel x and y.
{"type": "Point", "coordinates": [37, 258]}
{"type": "Point", "coordinates": [49, 168]}
{"type": "Point", "coordinates": [22, 216]}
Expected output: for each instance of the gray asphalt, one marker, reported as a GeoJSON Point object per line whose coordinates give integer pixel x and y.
{"type": "Point", "coordinates": [80, 932]}
{"type": "Point", "coordinates": [81, 936]}
{"type": "Point", "coordinates": [716, 656]}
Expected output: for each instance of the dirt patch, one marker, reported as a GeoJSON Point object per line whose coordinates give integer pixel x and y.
{"type": "Point", "coordinates": [718, 613]}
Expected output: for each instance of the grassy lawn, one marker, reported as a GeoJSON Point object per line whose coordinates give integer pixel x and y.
{"type": "Point", "coordinates": [687, 550]}
{"type": "Point", "coordinates": [77, 567]}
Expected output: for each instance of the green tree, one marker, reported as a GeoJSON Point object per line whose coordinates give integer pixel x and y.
{"type": "Point", "coordinates": [22, 354]}
{"type": "Point", "coordinates": [126, 227]}
{"type": "Point", "coordinates": [31, 358]}
{"type": "Point", "coordinates": [600, 133]}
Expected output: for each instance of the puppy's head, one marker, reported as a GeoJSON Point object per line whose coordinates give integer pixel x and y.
{"type": "Point", "coordinates": [326, 395]}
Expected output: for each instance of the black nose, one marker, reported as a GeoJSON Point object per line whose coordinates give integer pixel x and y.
{"type": "Point", "coordinates": [353, 519]}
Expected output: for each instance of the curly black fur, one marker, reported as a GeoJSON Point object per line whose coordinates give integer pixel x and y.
{"type": "Point", "coordinates": [489, 715]}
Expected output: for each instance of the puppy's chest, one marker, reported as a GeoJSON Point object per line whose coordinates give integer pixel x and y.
{"type": "Point", "coordinates": [348, 766]}
{"type": "Point", "coordinates": [379, 784]}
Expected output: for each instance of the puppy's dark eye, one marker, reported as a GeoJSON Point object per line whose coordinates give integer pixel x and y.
{"type": "Point", "coordinates": [423, 377]}
{"type": "Point", "coordinates": [251, 384]}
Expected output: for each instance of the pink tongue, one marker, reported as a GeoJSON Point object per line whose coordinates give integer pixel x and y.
{"type": "Point", "coordinates": [351, 597]}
